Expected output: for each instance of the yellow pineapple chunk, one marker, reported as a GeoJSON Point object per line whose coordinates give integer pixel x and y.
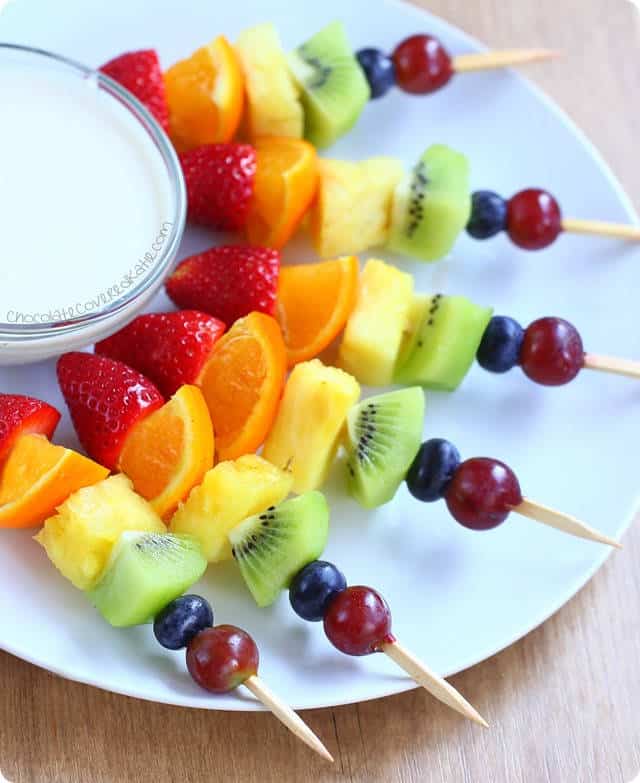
{"type": "Point", "coordinates": [273, 103]}
{"type": "Point", "coordinates": [374, 332]}
{"type": "Point", "coordinates": [307, 429]}
{"type": "Point", "coordinates": [417, 311]}
{"type": "Point", "coordinates": [352, 211]}
{"type": "Point", "coordinates": [229, 493]}
{"type": "Point", "coordinates": [80, 537]}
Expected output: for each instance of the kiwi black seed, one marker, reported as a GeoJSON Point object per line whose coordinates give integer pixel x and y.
{"type": "Point", "coordinates": [334, 88]}
{"type": "Point", "coordinates": [322, 71]}
{"type": "Point", "coordinates": [431, 205]}
{"type": "Point", "coordinates": [270, 548]}
{"type": "Point", "coordinates": [451, 321]}
{"type": "Point", "coordinates": [418, 189]}
{"type": "Point", "coordinates": [384, 434]}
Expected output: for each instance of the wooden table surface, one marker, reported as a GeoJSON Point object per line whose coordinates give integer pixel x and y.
{"type": "Point", "coordinates": [562, 703]}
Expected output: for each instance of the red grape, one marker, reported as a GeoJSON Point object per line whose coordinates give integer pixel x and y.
{"type": "Point", "coordinates": [221, 658]}
{"type": "Point", "coordinates": [358, 621]}
{"type": "Point", "coordinates": [552, 353]}
{"type": "Point", "coordinates": [422, 64]}
{"type": "Point", "coordinates": [534, 219]}
{"type": "Point", "coordinates": [482, 492]}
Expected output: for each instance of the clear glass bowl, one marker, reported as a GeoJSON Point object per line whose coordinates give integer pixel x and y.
{"type": "Point", "coordinates": [50, 334]}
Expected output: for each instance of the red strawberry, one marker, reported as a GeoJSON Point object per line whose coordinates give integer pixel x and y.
{"type": "Point", "coordinates": [141, 74]}
{"type": "Point", "coordinates": [20, 415]}
{"type": "Point", "coordinates": [105, 399]}
{"type": "Point", "coordinates": [228, 282]}
{"type": "Point", "coordinates": [219, 180]}
{"type": "Point", "coordinates": [169, 348]}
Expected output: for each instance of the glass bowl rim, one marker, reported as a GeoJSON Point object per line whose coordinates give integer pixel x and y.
{"type": "Point", "coordinates": [21, 332]}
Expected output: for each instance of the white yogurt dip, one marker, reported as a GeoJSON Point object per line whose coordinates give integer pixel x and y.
{"type": "Point", "coordinates": [87, 205]}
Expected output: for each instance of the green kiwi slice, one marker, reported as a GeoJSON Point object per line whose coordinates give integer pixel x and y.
{"type": "Point", "coordinates": [146, 571]}
{"type": "Point", "coordinates": [272, 547]}
{"type": "Point", "coordinates": [385, 433]}
{"type": "Point", "coordinates": [431, 205]}
{"type": "Point", "coordinates": [444, 344]}
{"type": "Point", "coordinates": [333, 85]}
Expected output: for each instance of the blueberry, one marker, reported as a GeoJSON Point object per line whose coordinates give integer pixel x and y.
{"type": "Point", "coordinates": [181, 620]}
{"type": "Point", "coordinates": [499, 349]}
{"type": "Point", "coordinates": [432, 469]}
{"type": "Point", "coordinates": [313, 589]}
{"type": "Point", "coordinates": [379, 70]}
{"type": "Point", "coordinates": [488, 214]}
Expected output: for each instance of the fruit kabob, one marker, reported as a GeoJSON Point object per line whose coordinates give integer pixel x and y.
{"type": "Point", "coordinates": [421, 213]}
{"type": "Point", "coordinates": [390, 333]}
{"type": "Point", "coordinates": [110, 542]}
{"type": "Point", "coordinates": [383, 447]}
{"type": "Point", "coordinates": [356, 618]}
{"type": "Point", "coordinates": [267, 190]}
{"type": "Point", "coordinates": [318, 91]}
{"type": "Point", "coordinates": [279, 548]}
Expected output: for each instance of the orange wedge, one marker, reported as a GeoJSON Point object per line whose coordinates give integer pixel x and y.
{"type": "Point", "coordinates": [285, 185]}
{"type": "Point", "coordinates": [169, 451]}
{"type": "Point", "coordinates": [242, 384]}
{"type": "Point", "coordinates": [314, 303]}
{"type": "Point", "coordinates": [38, 476]}
{"type": "Point", "coordinates": [205, 94]}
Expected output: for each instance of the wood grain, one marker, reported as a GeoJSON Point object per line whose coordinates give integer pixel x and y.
{"type": "Point", "coordinates": [562, 703]}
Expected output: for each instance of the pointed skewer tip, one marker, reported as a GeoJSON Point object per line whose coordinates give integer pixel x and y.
{"type": "Point", "coordinates": [473, 715]}
{"type": "Point", "coordinates": [287, 716]}
{"type": "Point", "coordinates": [437, 686]}
{"type": "Point", "coordinates": [326, 755]}
{"type": "Point", "coordinates": [564, 522]}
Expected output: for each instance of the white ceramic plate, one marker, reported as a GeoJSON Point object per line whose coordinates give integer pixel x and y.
{"type": "Point", "coordinates": [457, 596]}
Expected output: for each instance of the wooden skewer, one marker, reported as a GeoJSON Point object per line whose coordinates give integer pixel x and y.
{"type": "Point", "coordinates": [285, 714]}
{"type": "Point", "coordinates": [612, 364]}
{"type": "Point", "coordinates": [600, 228]}
{"type": "Point", "coordinates": [482, 61]}
{"type": "Point", "coordinates": [564, 522]}
{"type": "Point", "coordinates": [437, 686]}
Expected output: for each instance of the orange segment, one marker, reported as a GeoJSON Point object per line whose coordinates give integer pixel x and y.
{"type": "Point", "coordinates": [38, 476]}
{"type": "Point", "coordinates": [285, 185]}
{"type": "Point", "coordinates": [205, 94]}
{"type": "Point", "coordinates": [314, 303]}
{"type": "Point", "coordinates": [242, 384]}
{"type": "Point", "coordinates": [169, 451]}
